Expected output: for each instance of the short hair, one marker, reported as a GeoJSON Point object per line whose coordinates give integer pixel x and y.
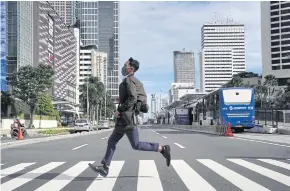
{"type": "Point", "coordinates": [134, 63]}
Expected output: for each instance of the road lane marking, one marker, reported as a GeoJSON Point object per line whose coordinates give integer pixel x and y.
{"type": "Point", "coordinates": [2, 164]}
{"type": "Point", "coordinates": [79, 147]}
{"type": "Point", "coordinates": [179, 145]}
{"type": "Point", "coordinates": [101, 183]}
{"type": "Point", "coordinates": [65, 178]}
{"type": "Point", "coordinates": [19, 181]}
{"type": "Point", "coordinates": [263, 171]}
{"type": "Point", "coordinates": [148, 177]}
{"type": "Point", "coordinates": [157, 133]}
{"type": "Point", "coordinates": [238, 180]}
{"type": "Point", "coordinates": [263, 142]}
{"type": "Point", "coordinates": [164, 137]}
{"type": "Point", "coordinates": [14, 169]}
{"type": "Point", "coordinates": [276, 163]}
{"type": "Point", "coordinates": [104, 137]}
{"type": "Point", "coordinates": [190, 177]}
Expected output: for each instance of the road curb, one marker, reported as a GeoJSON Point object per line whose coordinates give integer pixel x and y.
{"type": "Point", "coordinates": [50, 138]}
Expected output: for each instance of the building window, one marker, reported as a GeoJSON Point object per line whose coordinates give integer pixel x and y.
{"type": "Point", "coordinates": [276, 55]}
{"type": "Point", "coordinates": [285, 66]}
{"type": "Point", "coordinates": [275, 19]}
{"type": "Point", "coordinates": [286, 61]}
{"type": "Point", "coordinates": [285, 42]}
{"type": "Point", "coordinates": [275, 37]}
{"type": "Point", "coordinates": [275, 43]}
{"type": "Point", "coordinates": [275, 49]}
{"type": "Point", "coordinates": [274, 31]}
{"type": "Point", "coordinates": [274, 13]}
{"type": "Point", "coordinates": [285, 5]}
{"type": "Point", "coordinates": [276, 68]}
{"type": "Point", "coordinates": [276, 61]}
{"type": "Point", "coordinates": [284, 24]}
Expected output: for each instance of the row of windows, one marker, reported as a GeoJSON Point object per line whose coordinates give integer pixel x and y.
{"type": "Point", "coordinates": [279, 67]}
{"type": "Point", "coordinates": [282, 12]}
{"type": "Point", "coordinates": [275, 19]}
{"type": "Point", "coordinates": [277, 25]}
{"type": "Point", "coordinates": [287, 60]}
{"type": "Point", "coordinates": [276, 43]}
{"type": "Point", "coordinates": [285, 5]}
{"type": "Point", "coordinates": [278, 49]}
{"type": "Point", "coordinates": [283, 36]}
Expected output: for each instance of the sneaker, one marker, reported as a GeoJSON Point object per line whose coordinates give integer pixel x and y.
{"type": "Point", "coordinates": [102, 170]}
{"type": "Point", "coordinates": [166, 153]}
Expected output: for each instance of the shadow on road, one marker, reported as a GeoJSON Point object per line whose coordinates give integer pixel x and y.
{"type": "Point", "coordinates": [50, 176]}
{"type": "Point", "coordinates": [243, 157]}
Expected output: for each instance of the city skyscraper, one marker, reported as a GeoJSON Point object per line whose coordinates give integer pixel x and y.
{"type": "Point", "coordinates": [100, 26]}
{"type": "Point", "coordinates": [275, 38]}
{"type": "Point", "coordinates": [184, 68]}
{"type": "Point", "coordinates": [66, 10]}
{"type": "Point", "coordinates": [223, 54]}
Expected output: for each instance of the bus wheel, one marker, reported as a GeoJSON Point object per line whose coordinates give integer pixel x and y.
{"type": "Point", "coordinates": [239, 130]}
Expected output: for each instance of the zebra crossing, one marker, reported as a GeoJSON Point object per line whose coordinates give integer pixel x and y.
{"type": "Point", "coordinates": [149, 176]}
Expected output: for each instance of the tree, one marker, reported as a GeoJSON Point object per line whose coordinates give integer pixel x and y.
{"type": "Point", "coordinates": [270, 95]}
{"type": "Point", "coordinates": [44, 106]}
{"type": "Point", "coordinates": [29, 82]}
{"type": "Point", "coordinates": [6, 100]}
{"type": "Point", "coordinates": [96, 91]}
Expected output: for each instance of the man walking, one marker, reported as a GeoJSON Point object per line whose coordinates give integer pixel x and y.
{"type": "Point", "coordinates": [129, 90]}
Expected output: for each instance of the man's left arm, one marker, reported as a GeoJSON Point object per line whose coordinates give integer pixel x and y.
{"type": "Point", "coordinates": [132, 96]}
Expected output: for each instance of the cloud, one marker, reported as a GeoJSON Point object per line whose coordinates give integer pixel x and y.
{"type": "Point", "coordinates": [151, 31]}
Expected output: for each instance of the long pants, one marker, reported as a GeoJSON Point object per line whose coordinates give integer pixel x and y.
{"type": "Point", "coordinates": [133, 137]}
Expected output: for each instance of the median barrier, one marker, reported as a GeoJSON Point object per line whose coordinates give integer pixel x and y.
{"type": "Point", "coordinates": [208, 129]}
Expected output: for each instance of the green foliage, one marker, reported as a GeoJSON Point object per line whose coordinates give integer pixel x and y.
{"type": "Point", "coordinates": [53, 131]}
{"type": "Point", "coordinates": [44, 105]}
{"type": "Point", "coordinates": [6, 100]}
{"type": "Point", "coordinates": [30, 82]}
{"type": "Point", "coordinates": [96, 94]}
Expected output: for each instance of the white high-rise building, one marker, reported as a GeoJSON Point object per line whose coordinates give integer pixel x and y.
{"type": "Point", "coordinates": [99, 67]}
{"type": "Point", "coordinates": [184, 69]}
{"type": "Point", "coordinates": [223, 54]}
{"type": "Point", "coordinates": [275, 38]}
{"type": "Point", "coordinates": [87, 62]}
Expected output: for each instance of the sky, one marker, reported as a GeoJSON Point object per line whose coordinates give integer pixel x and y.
{"type": "Point", "coordinates": [151, 31]}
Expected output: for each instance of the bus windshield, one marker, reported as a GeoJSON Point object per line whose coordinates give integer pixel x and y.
{"type": "Point", "coordinates": [237, 96]}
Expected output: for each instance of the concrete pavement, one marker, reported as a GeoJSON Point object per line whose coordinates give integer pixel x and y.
{"type": "Point", "coordinates": [200, 162]}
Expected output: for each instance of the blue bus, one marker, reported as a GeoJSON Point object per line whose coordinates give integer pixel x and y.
{"type": "Point", "coordinates": [234, 105]}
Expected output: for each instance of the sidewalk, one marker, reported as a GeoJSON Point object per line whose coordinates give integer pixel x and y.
{"type": "Point", "coordinates": [266, 137]}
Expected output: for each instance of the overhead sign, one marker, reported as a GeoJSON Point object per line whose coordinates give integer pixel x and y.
{"type": "Point", "coordinates": [50, 39]}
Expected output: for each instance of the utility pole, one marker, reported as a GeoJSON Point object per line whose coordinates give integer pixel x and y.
{"type": "Point", "coordinates": [88, 98]}
{"type": "Point", "coordinates": [106, 91]}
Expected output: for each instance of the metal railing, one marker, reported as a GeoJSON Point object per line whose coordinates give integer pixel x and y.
{"type": "Point", "coordinates": [273, 117]}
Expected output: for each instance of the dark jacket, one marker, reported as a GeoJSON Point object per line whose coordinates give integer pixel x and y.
{"type": "Point", "coordinates": [130, 90]}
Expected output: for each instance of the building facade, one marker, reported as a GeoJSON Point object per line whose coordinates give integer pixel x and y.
{"type": "Point", "coordinates": [100, 26]}
{"type": "Point", "coordinates": [184, 68]}
{"type": "Point", "coordinates": [66, 10]}
{"type": "Point", "coordinates": [178, 90]}
{"type": "Point", "coordinates": [56, 46]}
{"type": "Point", "coordinates": [87, 62]}
{"type": "Point", "coordinates": [99, 69]}
{"type": "Point", "coordinates": [223, 54]}
{"type": "Point", "coordinates": [3, 47]}
{"type": "Point", "coordinates": [275, 38]}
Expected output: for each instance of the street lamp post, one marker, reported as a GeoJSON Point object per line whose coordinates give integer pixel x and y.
{"type": "Point", "coordinates": [88, 98]}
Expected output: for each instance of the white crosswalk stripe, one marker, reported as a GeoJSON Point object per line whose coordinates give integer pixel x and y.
{"type": "Point", "coordinates": [66, 177]}
{"type": "Point", "coordinates": [235, 178]}
{"type": "Point", "coordinates": [16, 182]}
{"type": "Point", "coordinates": [107, 183]}
{"type": "Point", "coordinates": [149, 177]}
{"type": "Point", "coordinates": [263, 171]}
{"type": "Point", "coordinates": [276, 163]}
{"type": "Point", "coordinates": [187, 175]}
{"type": "Point", "coordinates": [14, 169]}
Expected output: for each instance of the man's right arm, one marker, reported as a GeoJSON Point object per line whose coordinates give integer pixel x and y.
{"type": "Point", "coordinates": [132, 96]}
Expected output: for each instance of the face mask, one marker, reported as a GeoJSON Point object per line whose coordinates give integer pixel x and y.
{"type": "Point", "coordinates": [124, 71]}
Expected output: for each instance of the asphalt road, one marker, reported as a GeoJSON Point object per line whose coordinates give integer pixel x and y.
{"type": "Point", "coordinates": [200, 162]}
